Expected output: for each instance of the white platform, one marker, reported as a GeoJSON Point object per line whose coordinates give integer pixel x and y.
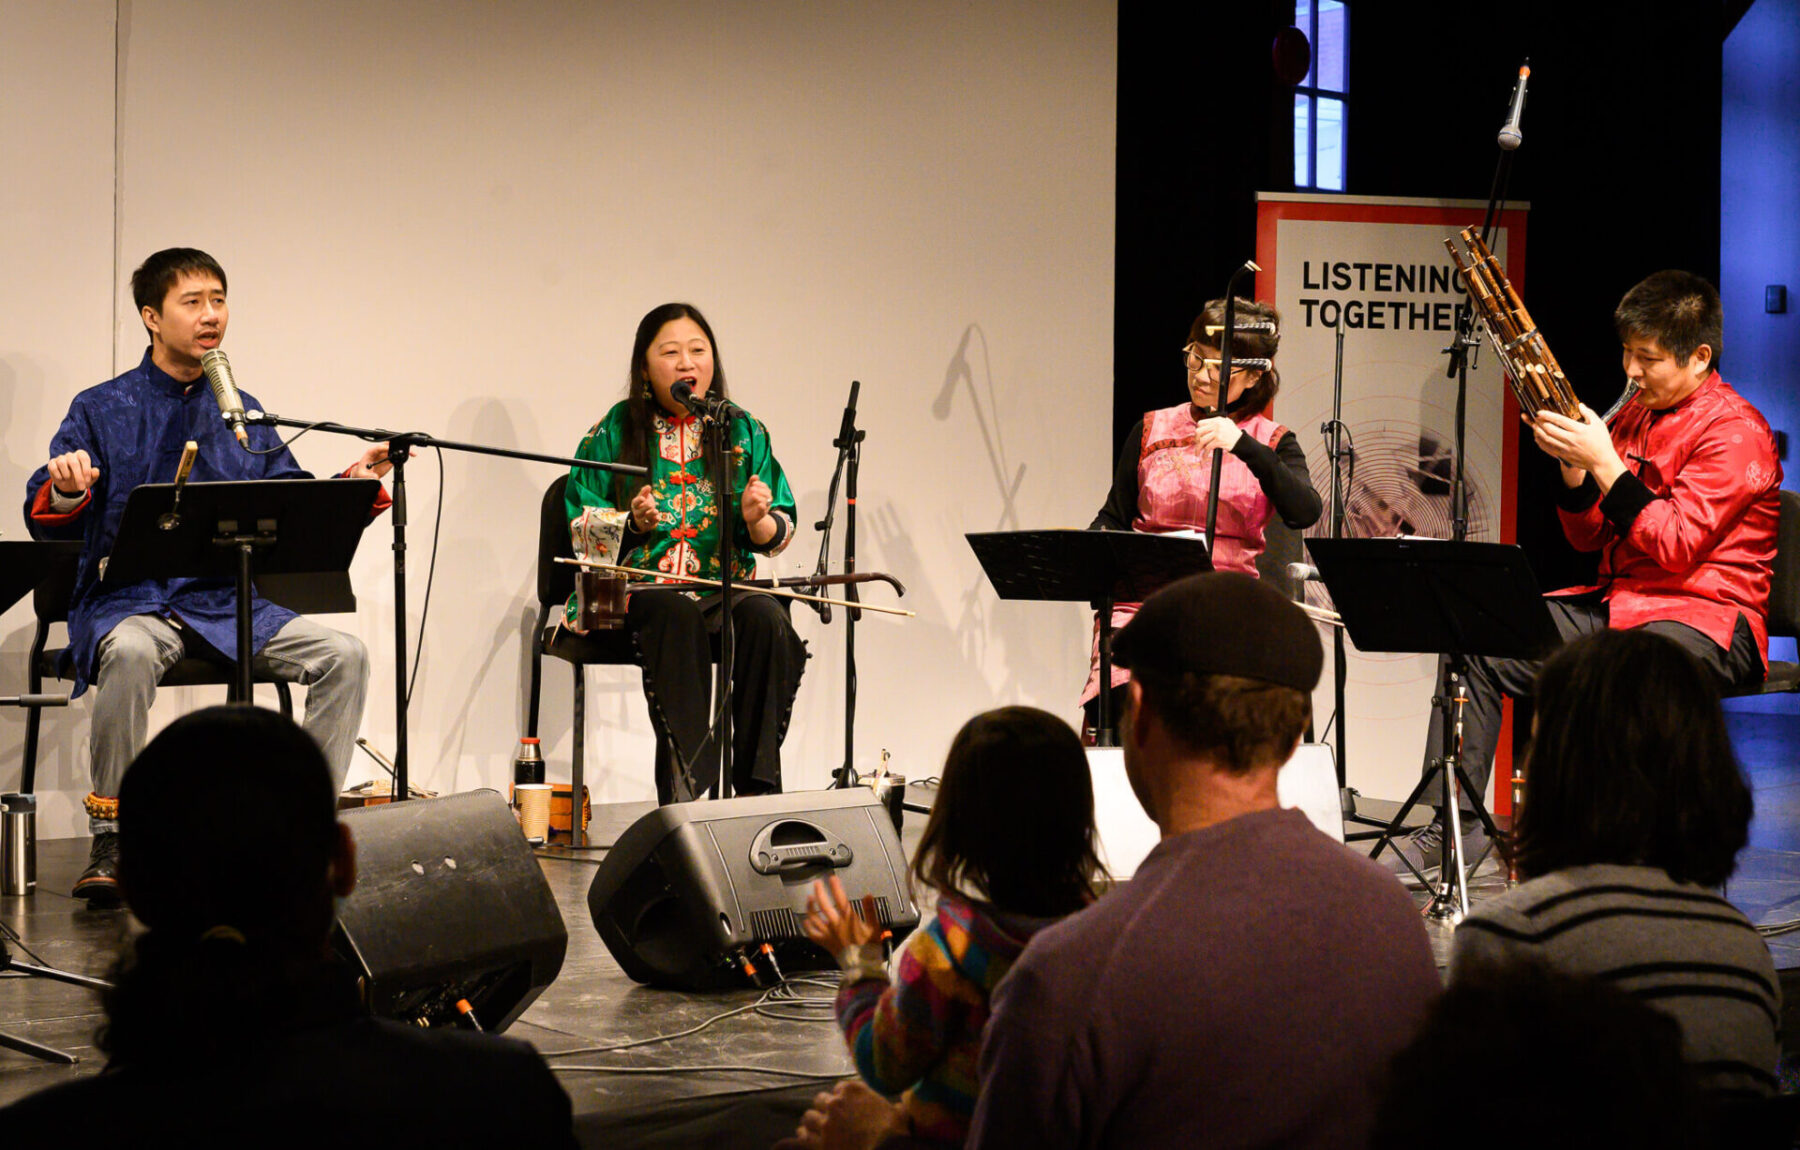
{"type": "Point", "coordinates": [1308, 781]}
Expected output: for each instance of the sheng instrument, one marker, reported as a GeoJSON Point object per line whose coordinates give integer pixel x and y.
{"type": "Point", "coordinates": [1537, 379]}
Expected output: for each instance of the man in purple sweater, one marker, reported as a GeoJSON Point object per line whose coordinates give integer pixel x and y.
{"type": "Point", "coordinates": [1249, 986]}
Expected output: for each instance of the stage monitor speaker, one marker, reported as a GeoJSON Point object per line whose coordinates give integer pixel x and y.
{"type": "Point", "coordinates": [690, 888]}
{"type": "Point", "coordinates": [450, 903]}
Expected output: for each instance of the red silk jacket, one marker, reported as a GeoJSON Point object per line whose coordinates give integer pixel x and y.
{"type": "Point", "coordinates": [1688, 532]}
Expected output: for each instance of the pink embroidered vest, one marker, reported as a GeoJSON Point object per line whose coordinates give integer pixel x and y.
{"type": "Point", "coordinates": [1173, 480]}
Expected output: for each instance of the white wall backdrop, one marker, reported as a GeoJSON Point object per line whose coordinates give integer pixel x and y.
{"type": "Point", "coordinates": [449, 216]}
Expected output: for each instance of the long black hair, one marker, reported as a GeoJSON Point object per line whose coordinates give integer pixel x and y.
{"type": "Point", "coordinates": [640, 401]}
{"type": "Point", "coordinates": [1631, 763]}
{"type": "Point", "coordinates": [1013, 820]}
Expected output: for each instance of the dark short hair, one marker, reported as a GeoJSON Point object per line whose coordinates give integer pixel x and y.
{"type": "Point", "coordinates": [152, 281]}
{"type": "Point", "coordinates": [228, 819]}
{"type": "Point", "coordinates": [1678, 310]}
{"type": "Point", "coordinates": [1246, 345]}
{"type": "Point", "coordinates": [1241, 723]}
{"type": "Point", "coordinates": [640, 405]}
{"type": "Point", "coordinates": [1014, 816]}
{"type": "Point", "coordinates": [1631, 764]}
{"type": "Point", "coordinates": [227, 830]}
{"type": "Point", "coordinates": [1589, 1065]}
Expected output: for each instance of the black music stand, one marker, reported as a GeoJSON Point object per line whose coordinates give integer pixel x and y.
{"type": "Point", "coordinates": [245, 530]}
{"type": "Point", "coordinates": [1098, 567]}
{"type": "Point", "coordinates": [1436, 596]}
{"type": "Point", "coordinates": [23, 565]}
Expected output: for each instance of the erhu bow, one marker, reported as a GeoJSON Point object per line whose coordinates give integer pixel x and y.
{"type": "Point", "coordinates": [765, 586]}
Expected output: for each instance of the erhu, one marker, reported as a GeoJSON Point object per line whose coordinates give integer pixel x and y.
{"type": "Point", "coordinates": [1537, 379]}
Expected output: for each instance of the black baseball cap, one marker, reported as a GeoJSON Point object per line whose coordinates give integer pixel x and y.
{"type": "Point", "coordinates": [1222, 623]}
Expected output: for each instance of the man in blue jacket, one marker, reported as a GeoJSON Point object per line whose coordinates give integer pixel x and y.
{"type": "Point", "coordinates": [130, 431]}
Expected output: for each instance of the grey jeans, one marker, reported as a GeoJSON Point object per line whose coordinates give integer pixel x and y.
{"type": "Point", "coordinates": [1490, 678]}
{"type": "Point", "coordinates": [332, 666]}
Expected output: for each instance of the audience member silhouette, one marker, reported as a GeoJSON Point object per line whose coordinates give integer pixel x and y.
{"type": "Point", "coordinates": [1634, 813]}
{"type": "Point", "coordinates": [1008, 850]}
{"type": "Point", "coordinates": [1575, 1062]}
{"type": "Point", "coordinates": [1250, 983]}
{"type": "Point", "coordinates": [231, 1023]}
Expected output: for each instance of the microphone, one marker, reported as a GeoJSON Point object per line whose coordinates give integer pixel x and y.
{"type": "Point", "coordinates": [1303, 573]}
{"type": "Point", "coordinates": [225, 392]}
{"type": "Point", "coordinates": [683, 393]}
{"type": "Point", "coordinates": [706, 408]}
{"type": "Point", "coordinates": [1510, 136]}
{"type": "Point", "coordinates": [848, 427]}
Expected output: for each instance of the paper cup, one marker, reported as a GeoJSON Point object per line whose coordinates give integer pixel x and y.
{"type": "Point", "coordinates": [532, 803]}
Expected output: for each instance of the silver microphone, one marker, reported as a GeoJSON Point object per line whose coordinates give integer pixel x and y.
{"type": "Point", "coordinates": [1303, 573]}
{"type": "Point", "coordinates": [1510, 136]}
{"type": "Point", "coordinates": [225, 392]}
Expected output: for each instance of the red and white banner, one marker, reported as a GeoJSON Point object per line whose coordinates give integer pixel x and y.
{"type": "Point", "coordinates": [1378, 267]}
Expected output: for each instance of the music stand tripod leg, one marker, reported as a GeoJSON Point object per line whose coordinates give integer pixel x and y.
{"type": "Point", "coordinates": [25, 1045]}
{"type": "Point", "coordinates": [1105, 730]}
{"type": "Point", "coordinates": [1455, 869]}
{"type": "Point", "coordinates": [37, 1050]}
{"type": "Point", "coordinates": [1397, 828]}
{"type": "Point", "coordinates": [1451, 900]}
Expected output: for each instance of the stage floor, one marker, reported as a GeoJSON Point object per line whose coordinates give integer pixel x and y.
{"type": "Point", "coordinates": [736, 1083]}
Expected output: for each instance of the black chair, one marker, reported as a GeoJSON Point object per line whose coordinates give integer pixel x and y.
{"type": "Point", "coordinates": [50, 601]}
{"type": "Point", "coordinates": [1784, 602]}
{"type": "Point", "coordinates": [555, 583]}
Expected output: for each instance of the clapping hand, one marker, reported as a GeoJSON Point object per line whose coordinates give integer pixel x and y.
{"type": "Point", "coordinates": [832, 923]}
{"type": "Point", "coordinates": [757, 501]}
{"type": "Point", "coordinates": [643, 509]}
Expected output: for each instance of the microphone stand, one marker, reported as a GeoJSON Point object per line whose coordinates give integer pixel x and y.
{"type": "Point", "coordinates": [718, 445]}
{"type": "Point", "coordinates": [1218, 456]}
{"type": "Point", "coordinates": [399, 444]}
{"type": "Point", "coordinates": [1450, 899]}
{"type": "Point", "coordinates": [849, 444]}
{"type": "Point", "coordinates": [1337, 452]}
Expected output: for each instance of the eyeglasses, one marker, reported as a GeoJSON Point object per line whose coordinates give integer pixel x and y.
{"type": "Point", "coordinates": [1195, 362]}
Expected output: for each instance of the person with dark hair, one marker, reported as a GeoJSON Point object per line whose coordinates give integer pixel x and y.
{"type": "Point", "coordinates": [1008, 850]}
{"type": "Point", "coordinates": [1635, 811]}
{"type": "Point", "coordinates": [130, 431]}
{"type": "Point", "coordinates": [1250, 982]}
{"type": "Point", "coordinates": [1584, 1063]}
{"type": "Point", "coordinates": [1165, 463]}
{"type": "Point", "coordinates": [1679, 495]}
{"type": "Point", "coordinates": [230, 1021]}
{"type": "Point", "coordinates": [672, 524]}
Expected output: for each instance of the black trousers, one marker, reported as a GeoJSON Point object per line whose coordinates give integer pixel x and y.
{"type": "Point", "coordinates": [1490, 679]}
{"type": "Point", "coordinates": [673, 637]}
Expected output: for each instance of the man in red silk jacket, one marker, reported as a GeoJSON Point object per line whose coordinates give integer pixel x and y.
{"type": "Point", "coordinates": [1679, 495]}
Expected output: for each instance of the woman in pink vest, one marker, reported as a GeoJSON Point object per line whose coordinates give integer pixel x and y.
{"type": "Point", "coordinates": [1165, 463]}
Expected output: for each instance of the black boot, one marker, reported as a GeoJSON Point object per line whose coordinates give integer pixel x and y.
{"type": "Point", "coordinates": [99, 883]}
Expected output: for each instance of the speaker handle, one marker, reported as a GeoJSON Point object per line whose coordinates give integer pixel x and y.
{"type": "Point", "coordinates": [790, 844]}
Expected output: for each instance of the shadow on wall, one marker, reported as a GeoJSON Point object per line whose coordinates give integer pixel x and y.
{"type": "Point", "coordinates": [485, 579]}
{"type": "Point", "coordinates": [959, 372]}
{"type": "Point", "coordinates": [1021, 633]}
